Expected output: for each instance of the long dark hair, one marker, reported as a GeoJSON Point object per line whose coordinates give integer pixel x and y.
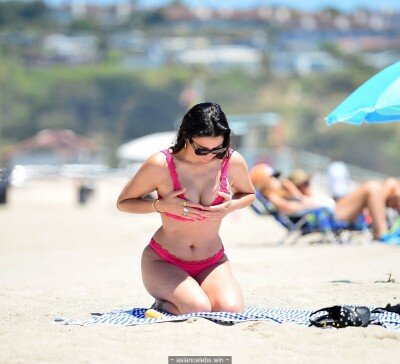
{"type": "Point", "coordinates": [204, 120]}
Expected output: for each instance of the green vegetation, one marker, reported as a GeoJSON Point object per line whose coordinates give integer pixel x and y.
{"type": "Point", "coordinates": [20, 14]}
{"type": "Point", "coordinates": [89, 100]}
{"type": "Point", "coordinates": [112, 104]}
{"type": "Point", "coordinates": [115, 105]}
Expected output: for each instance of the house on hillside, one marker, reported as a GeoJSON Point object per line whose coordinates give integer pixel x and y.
{"type": "Point", "coordinates": [303, 63]}
{"type": "Point", "coordinates": [54, 153]}
{"type": "Point", "coordinates": [71, 49]}
{"type": "Point", "coordinates": [53, 147]}
{"type": "Point", "coordinates": [222, 57]}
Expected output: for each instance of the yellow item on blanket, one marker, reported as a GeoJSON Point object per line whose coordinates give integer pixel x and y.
{"type": "Point", "coordinates": [150, 313]}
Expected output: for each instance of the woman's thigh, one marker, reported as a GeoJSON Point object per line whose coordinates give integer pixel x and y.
{"type": "Point", "coordinates": [168, 282]}
{"type": "Point", "coordinates": [369, 194]}
{"type": "Point", "coordinates": [349, 207]}
{"type": "Point", "coordinates": [221, 287]}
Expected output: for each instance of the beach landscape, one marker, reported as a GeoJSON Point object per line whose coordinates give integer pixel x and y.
{"type": "Point", "coordinates": [61, 259]}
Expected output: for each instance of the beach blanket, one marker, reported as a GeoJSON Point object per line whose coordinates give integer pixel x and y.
{"type": "Point", "coordinates": [136, 316]}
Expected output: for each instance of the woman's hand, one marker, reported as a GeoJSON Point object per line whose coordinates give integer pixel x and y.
{"type": "Point", "coordinates": [218, 212]}
{"type": "Point", "coordinates": [172, 204]}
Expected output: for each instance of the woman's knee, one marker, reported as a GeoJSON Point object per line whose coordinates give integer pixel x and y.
{"type": "Point", "coordinates": [228, 304]}
{"type": "Point", "coordinates": [194, 304]}
{"type": "Point", "coordinates": [392, 186]}
{"type": "Point", "coordinates": [372, 187]}
{"type": "Point", "coordinates": [236, 307]}
{"type": "Point", "coordinates": [391, 181]}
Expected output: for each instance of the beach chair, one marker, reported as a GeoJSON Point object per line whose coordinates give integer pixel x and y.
{"type": "Point", "coordinates": [319, 220]}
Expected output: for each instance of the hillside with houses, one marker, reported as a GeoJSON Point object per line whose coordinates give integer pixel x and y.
{"type": "Point", "coordinates": [117, 72]}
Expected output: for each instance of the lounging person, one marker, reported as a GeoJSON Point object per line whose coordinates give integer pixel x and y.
{"type": "Point", "coordinates": [389, 188]}
{"type": "Point", "coordinates": [285, 196]}
{"type": "Point", "coordinates": [294, 196]}
{"type": "Point", "coordinates": [199, 181]}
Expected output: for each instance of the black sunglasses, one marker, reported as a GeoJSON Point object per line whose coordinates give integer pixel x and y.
{"type": "Point", "coordinates": [204, 151]}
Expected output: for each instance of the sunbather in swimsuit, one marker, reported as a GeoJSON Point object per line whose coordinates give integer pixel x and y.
{"type": "Point", "coordinates": [203, 145]}
{"type": "Point", "coordinates": [193, 268]}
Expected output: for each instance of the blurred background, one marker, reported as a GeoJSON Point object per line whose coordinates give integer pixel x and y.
{"type": "Point", "coordinates": [90, 88]}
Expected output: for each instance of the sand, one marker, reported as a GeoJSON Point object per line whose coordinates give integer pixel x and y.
{"type": "Point", "coordinates": [61, 259]}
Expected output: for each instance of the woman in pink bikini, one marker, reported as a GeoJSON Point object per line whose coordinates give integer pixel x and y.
{"type": "Point", "coordinates": [199, 180]}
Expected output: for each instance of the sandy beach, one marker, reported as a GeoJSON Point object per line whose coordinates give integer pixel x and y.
{"type": "Point", "coordinates": [61, 259]}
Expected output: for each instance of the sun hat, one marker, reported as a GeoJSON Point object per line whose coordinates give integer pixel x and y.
{"type": "Point", "coordinates": [299, 176]}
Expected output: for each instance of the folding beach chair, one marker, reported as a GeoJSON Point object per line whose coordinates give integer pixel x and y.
{"type": "Point", "coordinates": [319, 220]}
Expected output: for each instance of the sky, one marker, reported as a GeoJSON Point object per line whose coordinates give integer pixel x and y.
{"type": "Point", "coordinates": [345, 5]}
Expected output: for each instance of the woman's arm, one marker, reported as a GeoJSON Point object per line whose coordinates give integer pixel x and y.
{"type": "Point", "coordinates": [242, 187]}
{"type": "Point", "coordinates": [149, 177]}
{"type": "Point", "coordinates": [290, 207]}
{"type": "Point", "coordinates": [291, 189]}
{"type": "Point", "coordinates": [145, 181]}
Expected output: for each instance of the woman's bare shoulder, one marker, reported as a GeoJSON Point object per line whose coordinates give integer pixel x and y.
{"type": "Point", "coordinates": [236, 159]}
{"type": "Point", "coordinates": [147, 179]}
{"type": "Point", "coordinates": [239, 174]}
{"type": "Point", "coordinates": [152, 166]}
{"type": "Point", "coordinates": [237, 164]}
{"type": "Point", "coordinates": [155, 161]}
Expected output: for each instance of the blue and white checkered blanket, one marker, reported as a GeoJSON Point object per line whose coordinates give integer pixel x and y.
{"type": "Point", "coordinates": [135, 316]}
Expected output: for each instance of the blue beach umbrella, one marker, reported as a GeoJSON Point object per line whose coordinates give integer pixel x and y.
{"type": "Point", "coordinates": [376, 101]}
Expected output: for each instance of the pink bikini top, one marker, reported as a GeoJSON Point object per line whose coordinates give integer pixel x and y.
{"type": "Point", "coordinates": [223, 182]}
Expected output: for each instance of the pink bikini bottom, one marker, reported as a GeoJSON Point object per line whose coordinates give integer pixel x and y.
{"type": "Point", "coordinates": [192, 267]}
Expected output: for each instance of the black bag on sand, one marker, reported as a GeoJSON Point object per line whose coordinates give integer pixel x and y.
{"type": "Point", "coordinates": [341, 316]}
{"type": "Point", "coordinates": [389, 308]}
